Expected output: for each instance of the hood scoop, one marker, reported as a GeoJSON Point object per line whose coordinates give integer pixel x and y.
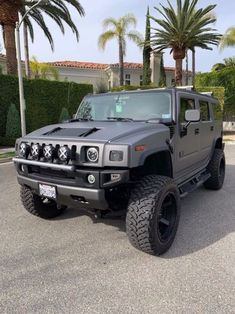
{"type": "Point", "coordinates": [71, 132]}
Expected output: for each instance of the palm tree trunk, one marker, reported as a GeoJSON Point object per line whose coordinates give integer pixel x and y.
{"type": "Point", "coordinates": [193, 67]}
{"type": "Point", "coordinates": [10, 46]}
{"type": "Point", "coordinates": [186, 67]}
{"type": "Point", "coordinates": [26, 50]}
{"type": "Point", "coordinates": [121, 64]}
{"type": "Point", "coordinates": [178, 72]}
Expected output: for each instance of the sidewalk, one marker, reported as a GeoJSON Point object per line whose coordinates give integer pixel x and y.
{"type": "Point", "coordinates": [7, 150]}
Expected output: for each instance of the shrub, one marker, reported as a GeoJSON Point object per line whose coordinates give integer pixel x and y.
{"type": "Point", "coordinates": [64, 115]}
{"type": "Point", "coordinates": [101, 87]}
{"type": "Point", "coordinates": [13, 122]}
{"type": "Point", "coordinates": [224, 78]}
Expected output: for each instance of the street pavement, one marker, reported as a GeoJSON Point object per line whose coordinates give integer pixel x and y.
{"type": "Point", "coordinates": [76, 264]}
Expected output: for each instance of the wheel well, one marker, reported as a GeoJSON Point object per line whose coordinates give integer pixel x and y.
{"type": "Point", "coordinates": [219, 143]}
{"type": "Point", "coordinates": [159, 163]}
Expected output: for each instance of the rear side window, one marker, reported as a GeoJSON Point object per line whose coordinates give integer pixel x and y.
{"type": "Point", "coordinates": [204, 110]}
{"type": "Point", "coordinates": [217, 111]}
{"type": "Point", "coordinates": [185, 104]}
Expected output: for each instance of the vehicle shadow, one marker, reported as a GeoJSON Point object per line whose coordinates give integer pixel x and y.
{"type": "Point", "coordinates": [206, 217]}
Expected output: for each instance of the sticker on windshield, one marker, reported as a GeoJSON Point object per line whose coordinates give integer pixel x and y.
{"type": "Point", "coordinates": [166, 116]}
{"type": "Point", "coordinates": [118, 108]}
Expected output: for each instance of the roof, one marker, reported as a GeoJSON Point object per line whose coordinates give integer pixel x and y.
{"type": "Point", "coordinates": [95, 66]}
{"type": "Point", "coordinates": [80, 65]}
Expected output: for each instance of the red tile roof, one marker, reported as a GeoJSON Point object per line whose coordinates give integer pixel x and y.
{"type": "Point", "coordinates": [94, 66]}
{"type": "Point", "coordinates": [80, 65]}
{"type": "Point", "coordinates": [128, 65]}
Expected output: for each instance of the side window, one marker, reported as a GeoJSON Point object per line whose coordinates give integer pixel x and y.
{"type": "Point", "coordinates": [204, 110]}
{"type": "Point", "coordinates": [185, 104]}
{"type": "Point", "coordinates": [217, 111]}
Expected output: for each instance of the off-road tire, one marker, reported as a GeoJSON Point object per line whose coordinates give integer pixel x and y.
{"type": "Point", "coordinates": [216, 168]}
{"type": "Point", "coordinates": [144, 212]}
{"type": "Point", "coordinates": [35, 205]}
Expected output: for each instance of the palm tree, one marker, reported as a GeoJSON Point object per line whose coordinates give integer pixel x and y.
{"type": "Point", "coordinates": [228, 39]}
{"type": "Point", "coordinates": [185, 27]}
{"type": "Point", "coordinates": [43, 70]}
{"type": "Point", "coordinates": [120, 30]}
{"type": "Point", "coordinates": [8, 18]}
{"type": "Point", "coordinates": [55, 9]}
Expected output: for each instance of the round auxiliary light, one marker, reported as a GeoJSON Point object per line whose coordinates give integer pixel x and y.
{"type": "Point", "coordinates": [64, 153]}
{"type": "Point", "coordinates": [92, 154]}
{"type": "Point", "coordinates": [91, 179]}
{"type": "Point", "coordinates": [48, 152]}
{"type": "Point", "coordinates": [24, 150]}
{"type": "Point", "coordinates": [35, 151]}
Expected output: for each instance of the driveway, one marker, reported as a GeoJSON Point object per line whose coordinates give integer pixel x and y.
{"type": "Point", "coordinates": [76, 264]}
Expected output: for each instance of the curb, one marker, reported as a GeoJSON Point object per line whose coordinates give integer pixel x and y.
{"type": "Point", "coordinates": [3, 160]}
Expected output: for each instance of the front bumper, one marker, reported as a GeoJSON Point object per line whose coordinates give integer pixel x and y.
{"type": "Point", "coordinates": [71, 183]}
{"type": "Point", "coordinates": [72, 196]}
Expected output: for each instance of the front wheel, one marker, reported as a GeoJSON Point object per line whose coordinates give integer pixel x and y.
{"type": "Point", "coordinates": [153, 214]}
{"type": "Point", "coordinates": [38, 206]}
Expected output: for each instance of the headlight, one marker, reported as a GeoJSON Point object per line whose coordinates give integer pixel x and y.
{"type": "Point", "coordinates": [48, 152]}
{"type": "Point", "coordinates": [64, 153]}
{"type": "Point", "coordinates": [92, 154]}
{"type": "Point", "coordinates": [24, 150]}
{"type": "Point", "coordinates": [35, 151]}
{"type": "Point", "coordinates": [116, 155]}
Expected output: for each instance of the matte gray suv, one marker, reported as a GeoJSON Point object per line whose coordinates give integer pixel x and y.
{"type": "Point", "coordinates": [137, 152]}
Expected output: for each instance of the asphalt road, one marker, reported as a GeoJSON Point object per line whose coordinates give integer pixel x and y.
{"type": "Point", "coordinates": [75, 264]}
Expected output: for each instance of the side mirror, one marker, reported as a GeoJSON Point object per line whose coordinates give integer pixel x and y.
{"type": "Point", "coordinates": [192, 115]}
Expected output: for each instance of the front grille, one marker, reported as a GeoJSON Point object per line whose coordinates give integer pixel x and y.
{"type": "Point", "coordinates": [172, 130]}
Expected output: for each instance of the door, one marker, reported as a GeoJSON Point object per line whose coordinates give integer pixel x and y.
{"type": "Point", "coordinates": [188, 144]}
{"type": "Point", "coordinates": [206, 130]}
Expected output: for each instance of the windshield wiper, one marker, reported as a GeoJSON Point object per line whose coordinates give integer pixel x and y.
{"type": "Point", "coordinates": [120, 119]}
{"type": "Point", "coordinates": [80, 119]}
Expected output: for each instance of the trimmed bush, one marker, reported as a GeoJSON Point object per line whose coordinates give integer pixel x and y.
{"type": "Point", "coordinates": [13, 122]}
{"type": "Point", "coordinates": [64, 115]}
{"type": "Point", "coordinates": [44, 100]}
{"type": "Point", "coordinates": [224, 78]}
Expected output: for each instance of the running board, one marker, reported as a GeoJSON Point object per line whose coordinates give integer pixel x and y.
{"type": "Point", "coordinates": [193, 184]}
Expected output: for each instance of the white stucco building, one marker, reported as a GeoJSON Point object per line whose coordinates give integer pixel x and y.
{"type": "Point", "coordinates": [94, 73]}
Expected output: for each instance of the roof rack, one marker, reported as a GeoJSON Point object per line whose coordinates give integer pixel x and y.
{"type": "Point", "coordinates": [186, 87]}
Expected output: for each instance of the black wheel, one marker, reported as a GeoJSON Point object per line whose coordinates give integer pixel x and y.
{"type": "Point", "coordinates": [216, 168]}
{"type": "Point", "coordinates": [38, 206]}
{"type": "Point", "coordinates": [153, 214]}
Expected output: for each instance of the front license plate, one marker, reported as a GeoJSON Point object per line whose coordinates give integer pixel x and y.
{"type": "Point", "coordinates": [47, 191]}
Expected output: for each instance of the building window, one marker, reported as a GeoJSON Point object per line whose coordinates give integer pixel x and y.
{"type": "Point", "coordinates": [128, 79]}
{"type": "Point", "coordinates": [141, 80]}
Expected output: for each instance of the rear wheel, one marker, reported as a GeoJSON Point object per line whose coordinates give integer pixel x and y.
{"type": "Point", "coordinates": [38, 206]}
{"type": "Point", "coordinates": [216, 168]}
{"type": "Point", "coordinates": [153, 214]}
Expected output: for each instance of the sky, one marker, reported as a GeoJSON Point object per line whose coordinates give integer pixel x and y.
{"type": "Point", "coordinates": [90, 27]}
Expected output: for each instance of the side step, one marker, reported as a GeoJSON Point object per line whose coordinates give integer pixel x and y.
{"type": "Point", "coordinates": [193, 184]}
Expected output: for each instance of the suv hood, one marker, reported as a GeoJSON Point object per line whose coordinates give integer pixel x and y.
{"type": "Point", "coordinates": [93, 131]}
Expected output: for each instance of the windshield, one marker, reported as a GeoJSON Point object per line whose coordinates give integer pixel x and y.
{"type": "Point", "coordinates": [132, 106]}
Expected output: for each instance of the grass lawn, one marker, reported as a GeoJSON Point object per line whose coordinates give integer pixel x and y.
{"type": "Point", "coordinates": [7, 155]}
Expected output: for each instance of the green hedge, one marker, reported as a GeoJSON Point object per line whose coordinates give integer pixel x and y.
{"type": "Point", "coordinates": [44, 100]}
{"type": "Point", "coordinates": [224, 78]}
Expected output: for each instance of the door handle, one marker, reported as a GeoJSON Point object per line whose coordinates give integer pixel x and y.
{"type": "Point", "coordinates": [196, 131]}
{"type": "Point", "coordinates": [212, 128]}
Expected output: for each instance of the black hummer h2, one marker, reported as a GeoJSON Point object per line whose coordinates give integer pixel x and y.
{"type": "Point", "coordinates": [135, 151]}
